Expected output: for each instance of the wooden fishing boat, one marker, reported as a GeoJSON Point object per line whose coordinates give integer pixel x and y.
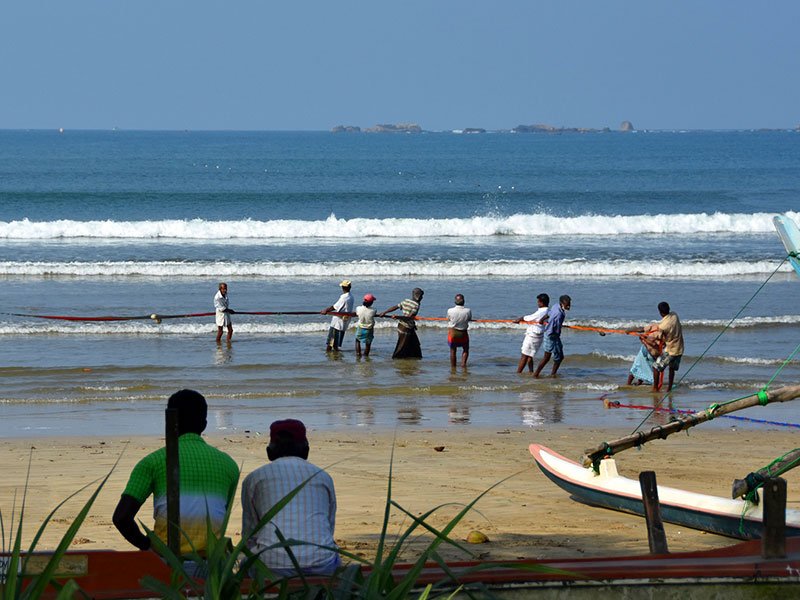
{"type": "Point", "coordinates": [734, 572]}
{"type": "Point", "coordinates": [608, 489]}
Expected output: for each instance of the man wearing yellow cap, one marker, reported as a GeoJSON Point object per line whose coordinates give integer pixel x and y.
{"type": "Point", "coordinates": [339, 323]}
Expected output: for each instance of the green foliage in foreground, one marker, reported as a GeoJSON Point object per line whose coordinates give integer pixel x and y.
{"type": "Point", "coordinates": [16, 564]}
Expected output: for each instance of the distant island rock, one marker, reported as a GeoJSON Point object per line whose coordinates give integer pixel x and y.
{"type": "Point", "coordinates": [470, 130]}
{"type": "Point", "coordinates": [542, 128]}
{"type": "Point", "coordinates": [395, 128]}
{"type": "Point", "coordinates": [346, 129]}
{"type": "Point", "coordinates": [626, 126]}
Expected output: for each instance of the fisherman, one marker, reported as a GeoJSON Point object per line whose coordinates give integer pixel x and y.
{"type": "Point", "coordinates": [366, 325]}
{"type": "Point", "coordinates": [534, 335]}
{"type": "Point", "coordinates": [642, 368]}
{"type": "Point", "coordinates": [552, 335]}
{"type": "Point", "coordinates": [309, 517]}
{"type": "Point", "coordinates": [407, 340]}
{"type": "Point", "coordinates": [208, 481]}
{"type": "Point", "coordinates": [339, 323]}
{"type": "Point", "coordinates": [458, 317]}
{"type": "Point", "coordinates": [224, 312]}
{"type": "Point", "coordinates": [670, 333]}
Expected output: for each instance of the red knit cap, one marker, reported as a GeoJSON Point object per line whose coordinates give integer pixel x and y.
{"type": "Point", "coordinates": [287, 430]}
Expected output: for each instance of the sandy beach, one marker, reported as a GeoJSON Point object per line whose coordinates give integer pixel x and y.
{"type": "Point", "coordinates": [524, 517]}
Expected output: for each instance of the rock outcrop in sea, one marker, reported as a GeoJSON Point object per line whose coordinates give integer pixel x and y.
{"type": "Point", "coordinates": [626, 126]}
{"type": "Point", "coordinates": [542, 128]}
{"type": "Point", "coordinates": [395, 128]}
{"type": "Point", "coordinates": [346, 129]}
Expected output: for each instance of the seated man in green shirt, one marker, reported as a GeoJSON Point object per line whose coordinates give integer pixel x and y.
{"type": "Point", "coordinates": [208, 482]}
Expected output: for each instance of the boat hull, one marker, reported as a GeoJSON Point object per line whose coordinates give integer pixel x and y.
{"type": "Point", "coordinates": [714, 514]}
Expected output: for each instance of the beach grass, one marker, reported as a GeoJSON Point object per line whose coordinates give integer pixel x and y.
{"type": "Point", "coordinates": [14, 570]}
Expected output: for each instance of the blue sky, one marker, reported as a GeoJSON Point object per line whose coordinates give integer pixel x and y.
{"type": "Point", "coordinates": [265, 64]}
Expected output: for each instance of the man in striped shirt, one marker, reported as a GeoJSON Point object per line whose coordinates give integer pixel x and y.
{"type": "Point", "coordinates": [309, 517]}
{"type": "Point", "coordinates": [407, 341]}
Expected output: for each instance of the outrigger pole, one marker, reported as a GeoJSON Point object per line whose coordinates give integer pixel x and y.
{"type": "Point", "coordinates": [754, 480]}
{"type": "Point", "coordinates": [593, 456]}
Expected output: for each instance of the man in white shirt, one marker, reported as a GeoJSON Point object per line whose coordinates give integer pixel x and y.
{"type": "Point", "coordinates": [308, 517]}
{"type": "Point", "coordinates": [339, 323]}
{"type": "Point", "coordinates": [534, 335]}
{"type": "Point", "coordinates": [457, 337]}
{"type": "Point", "coordinates": [224, 312]}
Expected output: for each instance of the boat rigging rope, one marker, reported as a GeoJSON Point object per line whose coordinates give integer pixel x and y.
{"type": "Point", "coordinates": [756, 482]}
{"type": "Point", "coordinates": [714, 341]}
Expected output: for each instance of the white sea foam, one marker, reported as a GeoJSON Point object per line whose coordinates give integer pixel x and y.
{"type": "Point", "coordinates": [609, 356]}
{"type": "Point", "coordinates": [740, 323]}
{"type": "Point", "coordinates": [194, 327]}
{"type": "Point", "coordinates": [538, 224]}
{"type": "Point", "coordinates": [572, 268]}
{"type": "Point", "coordinates": [259, 325]}
{"type": "Point", "coordinates": [725, 359]}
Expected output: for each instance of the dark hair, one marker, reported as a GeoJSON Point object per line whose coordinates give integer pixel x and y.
{"type": "Point", "coordinates": [564, 298]}
{"type": "Point", "coordinates": [460, 299]}
{"type": "Point", "coordinates": [663, 308]}
{"type": "Point", "coordinates": [192, 410]}
{"type": "Point", "coordinates": [544, 298]}
{"type": "Point", "coordinates": [280, 448]}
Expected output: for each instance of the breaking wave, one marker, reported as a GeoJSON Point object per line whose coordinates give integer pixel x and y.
{"type": "Point", "coordinates": [538, 224]}
{"type": "Point", "coordinates": [572, 268]}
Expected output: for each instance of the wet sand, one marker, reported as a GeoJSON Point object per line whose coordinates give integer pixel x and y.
{"type": "Point", "coordinates": [526, 516]}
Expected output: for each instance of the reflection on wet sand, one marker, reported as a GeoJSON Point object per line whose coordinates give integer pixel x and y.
{"type": "Point", "coordinates": [408, 412]}
{"type": "Point", "coordinates": [537, 408]}
{"type": "Point", "coordinates": [223, 354]}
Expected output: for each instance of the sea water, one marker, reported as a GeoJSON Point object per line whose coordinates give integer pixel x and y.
{"type": "Point", "coordinates": [118, 223]}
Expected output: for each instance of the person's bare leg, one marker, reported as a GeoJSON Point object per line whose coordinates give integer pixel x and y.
{"type": "Point", "coordinates": [358, 348]}
{"type": "Point", "coordinates": [219, 334]}
{"type": "Point", "coordinates": [464, 358]}
{"type": "Point", "coordinates": [630, 379]}
{"type": "Point", "coordinates": [656, 380]}
{"type": "Point", "coordinates": [230, 333]}
{"type": "Point", "coordinates": [671, 379]}
{"type": "Point", "coordinates": [453, 358]}
{"type": "Point", "coordinates": [523, 360]}
{"type": "Point", "coordinates": [367, 346]}
{"type": "Point", "coordinates": [556, 364]}
{"type": "Point", "coordinates": [544, 361]}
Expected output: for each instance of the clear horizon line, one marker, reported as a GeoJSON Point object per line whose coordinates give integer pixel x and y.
{"type": "Point", "coordinates": [450, 131]}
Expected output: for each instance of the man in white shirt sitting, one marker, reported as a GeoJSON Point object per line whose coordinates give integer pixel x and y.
{"type": "Point", "coordinates": [309, 517]}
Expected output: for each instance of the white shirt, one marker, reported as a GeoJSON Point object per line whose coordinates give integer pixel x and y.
{"type": "Point", "coordinates": [220, 302]}
{"type": "Point", "coordinates": [366, 316]}
{"type": "Point", "coordinates": [343, 304]}
{"type": "Point", "coordinates": [310, 516]}
{"type": "Point", "coordinates": [536, 329]}
{"type": "Point", "coordinates": [459, 317]}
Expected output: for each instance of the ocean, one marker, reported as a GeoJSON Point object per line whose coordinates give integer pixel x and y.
{"type": "Point", "coordinates": [124, 223]}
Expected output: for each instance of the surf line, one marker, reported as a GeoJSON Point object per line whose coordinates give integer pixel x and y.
{"type": "Point", "coordinates": [160, 317]}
